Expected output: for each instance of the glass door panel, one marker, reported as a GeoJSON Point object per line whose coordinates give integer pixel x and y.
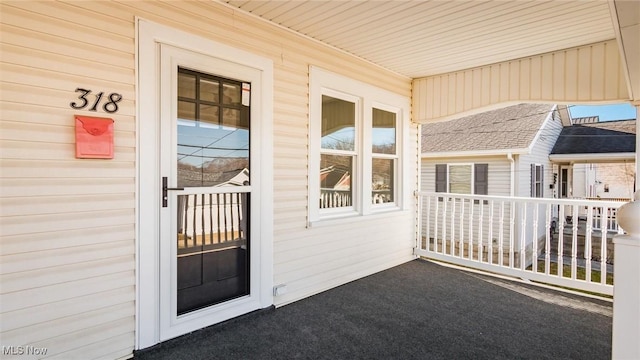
{"type": "Point", "coordinates": [212, 166]}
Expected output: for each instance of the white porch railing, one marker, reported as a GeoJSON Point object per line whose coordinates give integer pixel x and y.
{"type": "Point", "coordinates": [554, 241]}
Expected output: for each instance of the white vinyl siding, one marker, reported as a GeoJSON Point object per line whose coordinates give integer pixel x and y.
{"type": "Point", "coordinates": [539, 155]}
{"type": "Point", "coordinates": [572, 75]}
{"type": "Point", "coordinates": [68, 225]}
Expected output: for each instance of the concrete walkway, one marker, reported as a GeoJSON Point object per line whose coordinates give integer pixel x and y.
{"type": "Point", "coordinates": [418, 310]}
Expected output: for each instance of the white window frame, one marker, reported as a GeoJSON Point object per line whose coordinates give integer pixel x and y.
{"type": "Point", "coordinates": [396, 157]}
{"type": "Point", "coordinates": [322, 82]}
{"type": "Point", "coordinates": [356, 187]}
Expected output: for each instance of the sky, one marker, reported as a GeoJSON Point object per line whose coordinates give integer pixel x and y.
{"type": "Point", "coordinates": [606, 112]}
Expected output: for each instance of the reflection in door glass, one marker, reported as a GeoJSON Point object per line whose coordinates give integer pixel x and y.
{"type": "Point", "coordinates": [213, 131]}
{"type": "Point", "coordinates": [212, 240]}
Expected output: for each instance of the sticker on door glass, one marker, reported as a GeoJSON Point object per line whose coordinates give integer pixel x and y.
{"type": "Point", "coordinates": [246, 94]}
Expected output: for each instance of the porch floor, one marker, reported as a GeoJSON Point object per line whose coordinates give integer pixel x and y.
{"type": "Point", "coordinates": [418, 310]}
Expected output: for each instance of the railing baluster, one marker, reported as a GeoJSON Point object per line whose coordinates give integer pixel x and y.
{"type": "Point", "coordinates": [186, 222]}
{"type": "Point", "coordinates": [204, 236]}
{"type": "Point", "coordinates": [445, 201]}
{"type": "Point", "coordinates": [195, 216]}
{"type": "Point", "coordinates": [512, 224]}
{"type": "Point", "coordinates": [226, 228]}
{"type": "Point", "coordinates": [490, 236]}
{"type": "Point", "coordinates": [219, 218]}
{"type": "Point", "coordinates": [428, 229]}
{"type": "Point", "coordinates": [435, 224]}
{"type": "Point", "coordinates": [480, 231]}
{"type": "Point", "coordinates": [561, 220]}
{"type": "Point", "coordinates": [233, 220]}
{"type": "Point", "coordinates": [587, 243]}
{"type": "Point", "coordinates": [603, 247]}
{"type": "Point", "coordinates": [211, 219]}
{"type": "Point", "coordinates": [547, 242]}
{"type": "Point", "coordinates": [239, 210]}
{"type": "Point", "coordinates": [452, 242]}
{"type": "Point", "coordinates": [534, 244]}
{"type": "Point", "coordinates": [471, 216]}
{"type": "Point", "coordinates": [523, 237]}
{"type": "Point", "coordinates": [501, 236]}
{"type": "Point", "coordinates": [461, 235]}
{"type": "Point", "coordinates": [574, 242]}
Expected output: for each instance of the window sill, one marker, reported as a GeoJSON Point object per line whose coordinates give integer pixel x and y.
{"type": "Point", "coordinates": [351, 218]}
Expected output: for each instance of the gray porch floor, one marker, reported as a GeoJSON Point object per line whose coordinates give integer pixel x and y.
{"type": "Point", "coordinates": [418, 310]}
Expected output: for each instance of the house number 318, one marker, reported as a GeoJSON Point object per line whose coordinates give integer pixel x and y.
{"type": "Point", "coordinates": [110, 106]}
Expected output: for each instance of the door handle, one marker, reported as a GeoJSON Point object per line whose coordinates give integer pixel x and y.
{"type": "Point", "coordinates": [165, 191]}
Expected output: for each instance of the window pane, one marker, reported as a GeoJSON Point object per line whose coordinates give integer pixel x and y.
{"type": "Point", "coordinates": [186, 85]}
{"type": "Point", "coordinates": [338, 124]}
{"type": "Point", "coordinates": [211, 156]}
{"type": "Point", "coordinates": [231, 94]}
{"type": "Point", "coordinates": [382, 180]}
{"type": "Point", "coordinates": [231, 117]}
{"type": "Point", "coordinates": [383, 136]}
{"type": "Point", "coordinates": [209, 114]}
{"type": "Point", "coordinates": [460, 179]}
{"type": "Point", "coordinates": [186, 110]}
{"type": "Point", "coordinates": [209, 90]}
{"type": "Point", "coordinates": [335, 181]}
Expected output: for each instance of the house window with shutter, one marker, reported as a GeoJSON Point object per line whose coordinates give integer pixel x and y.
{"type": "Point", "coordinates": [463, 178]}
{"type": "Point", "coordinates": [537, 180]}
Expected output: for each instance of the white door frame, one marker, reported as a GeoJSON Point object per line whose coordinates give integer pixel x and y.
{"type": "Point", "coordinates": [148, 265]}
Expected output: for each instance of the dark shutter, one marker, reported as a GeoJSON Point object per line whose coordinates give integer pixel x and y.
{"type": "Point", "coordinates": [441, 177]}
{"type": "Point", "coordinates": [533, 180]}
{"type": "Point", "coordinates": [537, 180]}
{"type": "Point", "coordinates": [541, 180]}
{"type": "Point", "coordinates": [481, 179]}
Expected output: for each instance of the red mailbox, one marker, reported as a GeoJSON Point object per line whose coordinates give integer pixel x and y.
{"type": "Point", "coordinates": [94, 137]}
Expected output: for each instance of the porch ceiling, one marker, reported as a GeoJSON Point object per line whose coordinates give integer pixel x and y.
{"type": "Point", "coordinates": [422, 38]}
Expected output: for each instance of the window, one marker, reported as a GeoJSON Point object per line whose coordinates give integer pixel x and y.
{"type": "Point", "coordinates": [355, 147]}
{"type": "Point", "coordinates": [537, 180]}
{"type": "Point", "coordinates": [338, 153]}
{"type": "Point", "coordinates": [384, 157]}
{"type": "Point", "coordinates": [463, 178]}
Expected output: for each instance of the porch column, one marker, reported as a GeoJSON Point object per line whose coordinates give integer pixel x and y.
{"type": "Point", "coordinates": [626, 273]}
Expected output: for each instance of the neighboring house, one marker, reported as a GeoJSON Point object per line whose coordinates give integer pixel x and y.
{"type": "Point", "coordinates": [502, 152]}
{"type": "Point", "coordinates": [596, 160]}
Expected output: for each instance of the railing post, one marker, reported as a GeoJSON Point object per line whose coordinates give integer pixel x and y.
{"type": "Point", "coordinates": [626, 290]}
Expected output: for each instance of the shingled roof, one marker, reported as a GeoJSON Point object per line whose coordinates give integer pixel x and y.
{"type": "Point", "coordinates": [597, 138]}
{"type": "Point", "coordinates": [510, 128]}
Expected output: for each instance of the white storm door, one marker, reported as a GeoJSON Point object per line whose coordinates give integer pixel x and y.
{"type": "Point", "coordinates": [208, 226]}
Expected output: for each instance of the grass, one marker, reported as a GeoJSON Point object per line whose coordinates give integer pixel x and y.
{"type": "Point", "coordinates": [581, 273]}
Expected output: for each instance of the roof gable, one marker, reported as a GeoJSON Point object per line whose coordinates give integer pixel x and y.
{"type": "Point", "coordinates": [509, 128]}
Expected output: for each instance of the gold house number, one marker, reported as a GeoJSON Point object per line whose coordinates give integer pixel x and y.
{"type": "Point", "coordinates": [110, 106]}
